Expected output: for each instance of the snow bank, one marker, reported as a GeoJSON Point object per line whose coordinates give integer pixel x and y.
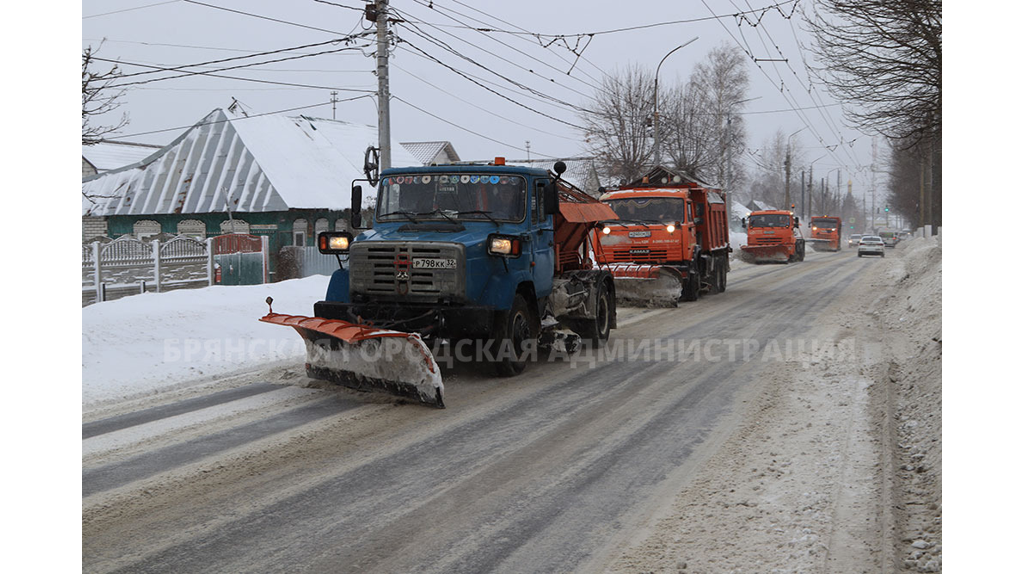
{"type": "Point", "coordinates": [135, 345]}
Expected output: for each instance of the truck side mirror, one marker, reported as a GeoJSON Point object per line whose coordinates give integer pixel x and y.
{"type": "Point", "coordinates": [796, 222]}
{"type": "Point", "coordinates": [550, 198]}
{"type": "Point", "coordinates": [743, 222]}
{"type": "Point", "coordinates": [356, 216]}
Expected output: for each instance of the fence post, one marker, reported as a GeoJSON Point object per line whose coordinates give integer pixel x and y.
{"type": "Point", "coordinates": [265, 250]}
{"type": "Point", "coordinates": [209, 261]}
{"type": "Point", "coordinates": [156, 263]}
{"type": "Point", "coordinates": [96, 269]}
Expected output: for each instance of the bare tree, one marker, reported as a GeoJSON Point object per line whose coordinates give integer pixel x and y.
{"type": "Point", "coordinates": [689, 131]}
{"type": "Point", "coordinates": [619, 132]}
{"type": "Point", "coordinates": [768, 183]}
{"type": "Point", "coordinates": [99, 98]}
{"type": "Point", "coordinates": [720, 81]}
{"type": "Point", "coordinates": [885, 56]}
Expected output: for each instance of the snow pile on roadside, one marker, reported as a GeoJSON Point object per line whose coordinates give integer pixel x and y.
{"type": "Point", "coordinates": [912, 320]}
{"type": "Point", "coordinates": [136, 345]}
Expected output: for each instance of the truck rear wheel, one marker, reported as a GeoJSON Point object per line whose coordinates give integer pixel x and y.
{"type": "Point", "coordinates": [515, 338]}
{"type": "Point", "coordinates": [596, 331]}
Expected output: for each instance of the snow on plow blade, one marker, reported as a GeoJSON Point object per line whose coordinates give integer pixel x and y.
{"type": "Point", "coordinates": [763, 253]}
{"type": "Point", "coordinates": [365, 358]}
{"type": "Point", "coordinates": [647, 285]}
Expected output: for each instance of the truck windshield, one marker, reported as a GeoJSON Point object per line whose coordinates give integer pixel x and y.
{"type": "Point", "coordinates": [768, 220]}
{"type": "Point", "coordinates": [824, 223]}
{"type": "Point", "coordinates": [477, 196]}
{"type": "Point", "coordinates": [655, 209]}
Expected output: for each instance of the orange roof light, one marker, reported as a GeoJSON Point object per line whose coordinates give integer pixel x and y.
{"type": "Point", "coordinates": [499, 161]}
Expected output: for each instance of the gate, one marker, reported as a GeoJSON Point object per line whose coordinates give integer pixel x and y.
{"type": "Point", "coordinates": [240, 259]}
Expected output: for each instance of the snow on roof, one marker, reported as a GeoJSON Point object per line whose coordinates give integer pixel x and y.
{"type": "Point", "coordinates": [108, 155]}
{"type": "Point", "coordinates": [262, 163]}
{"type": "Point", "coordinates": [737, 209]}
{"type": "Point", "coordinates": [426, 153]}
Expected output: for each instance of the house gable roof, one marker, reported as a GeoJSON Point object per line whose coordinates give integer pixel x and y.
{"type": "Point", "coordinates": [225, 161]}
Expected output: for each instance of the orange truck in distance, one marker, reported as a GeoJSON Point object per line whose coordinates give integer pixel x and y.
{"type": "Point", "coordinates": [826, 233]}
{"type": "Point", "coordinates": [773, 236]}
{"type": "Point", "coordinates": [671, 241]}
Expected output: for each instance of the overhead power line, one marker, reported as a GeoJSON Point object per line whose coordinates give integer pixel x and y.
{"type": "Point", "coordinates": [226, 77]}
{"type": "Point", "coordinates": [248, 117]}
{"type": "Point", "coordinates": [129, 9]}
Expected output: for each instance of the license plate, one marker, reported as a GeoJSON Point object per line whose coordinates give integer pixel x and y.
{"type": "Point", "coordinates": [433, 263]}
{"type": "Point", "coordinates": [639, 233]}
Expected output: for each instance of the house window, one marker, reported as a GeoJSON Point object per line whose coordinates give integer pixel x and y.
{"type": "Point", "coordinates": [234, 226]}
{"type": "Point", "coordinates": [145, 228]}
{"type": "Point", "coordinates": [299, 230]}
{"type": "Point", "coordinates": [192, 228]}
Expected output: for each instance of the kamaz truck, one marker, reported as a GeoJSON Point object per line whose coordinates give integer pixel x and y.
{"type": "Point", "coordinates": [491, 259]}
{"type": "Point", "coordinates": [670, 241]}
{"type": "Point", "coordinates": [773, 236]}
{"type": "Point", "coordinates": [826, 233]}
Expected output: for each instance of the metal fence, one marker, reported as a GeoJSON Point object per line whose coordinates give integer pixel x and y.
{"type": "Point", "coordinates": [127, 266]}
{"type": "Point", "coordinates": [295, 262]}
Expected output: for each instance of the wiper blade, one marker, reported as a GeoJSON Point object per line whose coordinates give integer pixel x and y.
{"type": "Point", "coordinates": [407, 215]}
{"type": "Point", "coordinates": [486, 214]}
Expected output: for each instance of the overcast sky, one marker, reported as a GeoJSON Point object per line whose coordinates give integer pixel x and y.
{"type": "Point", "coordinates": [431, 101]}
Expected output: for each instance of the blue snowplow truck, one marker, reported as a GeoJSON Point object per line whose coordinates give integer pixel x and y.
{"type": "Point", "coordinates": [494, 260]}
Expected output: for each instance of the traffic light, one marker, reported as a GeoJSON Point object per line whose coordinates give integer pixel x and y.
{"type": "Point", "coordinates": [887, 209]}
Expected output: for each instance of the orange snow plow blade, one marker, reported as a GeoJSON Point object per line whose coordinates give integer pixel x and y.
{"type": "Point", "coordinates": [640, 285]}
{"type": "Point", "coordinates": [765, 253]}
{"type": "Point", "coordinates": [366, 358]}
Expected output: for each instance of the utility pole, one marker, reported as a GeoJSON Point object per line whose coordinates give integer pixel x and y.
{"type": "Point", "coordinates": [874, 158]}
{"type": "Point", "coordinates": [334, 105]}
{"type": "Point", "coordinates": [383, 92]}
{"type": "Point", "coordinates": [810, 192]}
{"type": "Point", "coordinates": [787, 179]}
{"type": "Point", "coordinates": [802, 204]}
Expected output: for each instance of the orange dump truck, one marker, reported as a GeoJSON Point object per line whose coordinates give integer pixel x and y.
{"type": "Point", "coordinates": [671, 240]}
{"type": "Point", "coordinates": [826, 233]}
{"type": "Point", "coordinates": [773, 235]}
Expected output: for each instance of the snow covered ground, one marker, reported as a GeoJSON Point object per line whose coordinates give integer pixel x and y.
{"type": "Point", "coordinates": [136, 345]}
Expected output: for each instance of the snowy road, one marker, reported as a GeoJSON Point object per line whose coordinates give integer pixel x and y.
{"type": "Point", "coordinates": [569, 467]}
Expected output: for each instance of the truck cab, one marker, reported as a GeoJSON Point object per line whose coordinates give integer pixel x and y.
{"type": "Point", "coordinates": [826, 233]}
{"type": "Point", "coordinates": [773, 235]}
{"type": "Point", "coordinates": [449, 246]}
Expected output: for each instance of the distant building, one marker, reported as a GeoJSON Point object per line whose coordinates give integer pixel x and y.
{"type": "Point", "coordinates": [285, 177]}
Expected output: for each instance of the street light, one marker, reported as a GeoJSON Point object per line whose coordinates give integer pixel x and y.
{"type": "Point", "coordinates": [657, 133]}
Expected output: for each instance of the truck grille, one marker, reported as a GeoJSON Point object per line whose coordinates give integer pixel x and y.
{"type": "Point", "coordinates": [765, 241]}
{"type": "Point", "coordinates": [384, 270]}
{"type": "Point", "coordinates": [635, 254]}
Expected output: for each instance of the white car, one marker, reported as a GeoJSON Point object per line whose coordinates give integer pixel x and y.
{"type": "Point", "coordinates": [854, 240]}
{"type": "Point", "coordinates": [870, 245]}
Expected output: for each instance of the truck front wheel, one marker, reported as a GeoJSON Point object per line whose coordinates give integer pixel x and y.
{"type": "Point", "coordinates": [515, 336]}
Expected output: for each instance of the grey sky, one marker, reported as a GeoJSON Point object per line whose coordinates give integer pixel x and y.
{"type": "Point", "coordinates": [432, 102]}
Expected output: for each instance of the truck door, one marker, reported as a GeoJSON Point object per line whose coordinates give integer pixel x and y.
{"type": "Point", "coordinates": [542, 240]}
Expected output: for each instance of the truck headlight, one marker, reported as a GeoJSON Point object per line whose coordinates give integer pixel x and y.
{"type": "Point", "coordinates": [606, 230]}
{"type": "Point", "coordinates": [670, 228]}
{"type": "Point", "coordinates": [332, 242]}
{"type": "Point", "coordinates": [504, 245]}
